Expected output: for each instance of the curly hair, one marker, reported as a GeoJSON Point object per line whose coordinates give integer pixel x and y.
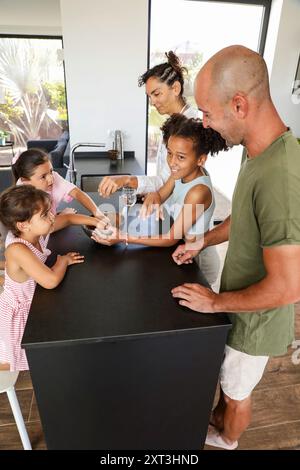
{"type": "Point", "coordinates": [168, 72]}
{"type": "Point", "coordinates": [205, 140]}
{"type": "Point", "coordinates": [27, 162]}
{"type": "Point", "coordinates": [20, 203]}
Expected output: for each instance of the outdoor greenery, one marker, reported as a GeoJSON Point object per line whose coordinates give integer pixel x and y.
{"type": "Point", "coordinates": [56, 98]}
{"type": "Point", "coordinates": [30, 93]}
{"type": "Point", "coordinates": [3, 136]}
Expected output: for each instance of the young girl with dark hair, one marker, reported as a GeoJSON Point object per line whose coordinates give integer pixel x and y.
{"type": "Point", "coordinates": [165, 87]}
{"type": "Point", "coordinates": [34, 167]}
{"type": "Point", "coordinates": [188, 193]}
{"type": "Point", "coordinates": [26, 212]}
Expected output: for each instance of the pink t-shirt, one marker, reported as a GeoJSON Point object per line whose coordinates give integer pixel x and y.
{"type": "Point", "coordinates": [60, 191]}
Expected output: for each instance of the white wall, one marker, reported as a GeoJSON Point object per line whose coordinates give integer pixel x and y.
{"type": "Point", "coordinates": [30, 17]}
{"type": "Point", "coordinates": [285, 33]}
{"type": "Point", "coordinates": [105, 43]}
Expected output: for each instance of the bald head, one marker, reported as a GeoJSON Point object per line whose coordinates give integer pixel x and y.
{"type": "Point", "coordinates": [236, 69]}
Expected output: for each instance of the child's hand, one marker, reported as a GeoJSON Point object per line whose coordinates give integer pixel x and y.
{"type": "Point", "coordinates": [99, 215]}
{"type": "Point", "coordinates": [107, 237]}
{"type": "Point", "coordinates": [152, 202]}
{"type": "Point", "coordinates": [73, 258]}
{"type": "Point", "coordinates": [104, 226]}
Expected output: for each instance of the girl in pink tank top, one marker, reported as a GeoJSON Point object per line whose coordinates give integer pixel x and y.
{"type": "Point", "coordinates": [26, 212]}
{"type": "Point", "coordinates": [34, 167]}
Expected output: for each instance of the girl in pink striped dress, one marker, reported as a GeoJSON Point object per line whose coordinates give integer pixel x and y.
{"type": "Point", "coordinates": [26, 212]}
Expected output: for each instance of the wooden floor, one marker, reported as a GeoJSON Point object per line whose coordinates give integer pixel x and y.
{"type": "Point", "coordinates": [276, 403]}
{"type": "Point", "coordinates": [276, 406]}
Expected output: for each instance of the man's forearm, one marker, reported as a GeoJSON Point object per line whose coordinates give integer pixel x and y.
{"type": "Point", "coordinates": [218, 235]}
{"type": "Point", "coordinates": [263, 295]}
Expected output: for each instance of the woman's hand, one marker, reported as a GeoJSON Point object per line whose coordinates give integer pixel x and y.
{"type": "Point", "coordinates": [71, 258]}
{"type": "Point", "coordinates": [152, 202]}
{"type": "Point", "coordinates": [111, 184]}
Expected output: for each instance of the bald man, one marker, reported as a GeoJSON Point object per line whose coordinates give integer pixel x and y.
{"type": "Point", "coordinates": [261, 275]}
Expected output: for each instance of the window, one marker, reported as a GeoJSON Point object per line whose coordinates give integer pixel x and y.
{"type": "Point", "coordinates": [195, 30]}
{"type": "Point", "coordinates": [32, 90]}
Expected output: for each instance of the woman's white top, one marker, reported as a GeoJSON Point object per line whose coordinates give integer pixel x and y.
{"type": "Point", "coordinates": [148, 184]}
{"type": "Point", "coordinates": [175, 203]}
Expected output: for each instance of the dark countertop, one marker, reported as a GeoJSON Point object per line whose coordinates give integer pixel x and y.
{"type": "Point", "coordinates": [117, 293]}
{"type": "Point", "coordinates": [104, 166]}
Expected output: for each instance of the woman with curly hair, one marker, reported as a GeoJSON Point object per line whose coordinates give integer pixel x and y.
{"type": "Point", "coordinates": [188, 193]}
{"type": "Point", "coordinates": [164, 85]}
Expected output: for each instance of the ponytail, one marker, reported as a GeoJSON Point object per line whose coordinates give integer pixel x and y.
{"type": "Point", "coordinates": [25, 165]}
{"type": "Point", "coordinates": [169, 72]}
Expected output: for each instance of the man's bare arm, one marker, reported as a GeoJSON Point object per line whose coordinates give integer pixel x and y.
{"type": "Point", "coordinates": [280, 286]}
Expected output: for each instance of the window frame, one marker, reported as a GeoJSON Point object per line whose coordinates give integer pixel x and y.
{"type": "Point", "coordinates": [261, 40]}
{"type": "Point", "coordinates": [47, 36]}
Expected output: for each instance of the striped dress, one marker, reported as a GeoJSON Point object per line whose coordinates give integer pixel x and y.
{"type": "Point", "coordinates": [15, 302]}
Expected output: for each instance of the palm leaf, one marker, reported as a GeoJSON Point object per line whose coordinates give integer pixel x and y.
{"type": "Point", "coordinates": [24, 66]}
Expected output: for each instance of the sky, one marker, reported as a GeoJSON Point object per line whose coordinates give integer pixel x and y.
{"type": "Point", "coordinates": [208, 26]}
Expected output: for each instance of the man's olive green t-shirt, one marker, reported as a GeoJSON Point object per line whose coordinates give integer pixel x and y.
{"type": "Point", "coordinates": [265, 213]}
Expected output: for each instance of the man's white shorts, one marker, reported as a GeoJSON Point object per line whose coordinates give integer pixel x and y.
{"type": "Point", "coordinates": [240, 373]}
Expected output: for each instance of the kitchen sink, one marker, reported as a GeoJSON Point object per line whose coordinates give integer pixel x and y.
{"type": "Point", "coordinates": [90, 183]}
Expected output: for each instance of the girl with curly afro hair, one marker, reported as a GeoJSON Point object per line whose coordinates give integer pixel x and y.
{"type": "Point", "coordinates": [187, 197]}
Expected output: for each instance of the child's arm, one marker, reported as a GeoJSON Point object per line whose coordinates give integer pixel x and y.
{"type": "Point", "coordinates": [196, 200]}
{"type": "Point", "coordinates": [166, 190]}
{"type": "Point", "coordinates": [23, 264]}
{"type": "Point", "coordinates": [64, 220]}
{"type": "Point", "coordinates": [186, 218]}
{"type": "Point", "coordinates": [154, 200]}
{"type": "Point", "coordinates": [86, 202]}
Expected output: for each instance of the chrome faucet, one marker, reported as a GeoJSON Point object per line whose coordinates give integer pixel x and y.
{"type": "Point", "coordinates": [118, 144]}
{"type": "Point", "coordinates": [72, 172]}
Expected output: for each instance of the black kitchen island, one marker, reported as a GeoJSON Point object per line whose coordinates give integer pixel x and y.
{"type": "Point", "coordinates": [115, 362]}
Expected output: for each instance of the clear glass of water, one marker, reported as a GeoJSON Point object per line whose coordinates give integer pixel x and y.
{"type": "Point", "coordinates": [128, 200]}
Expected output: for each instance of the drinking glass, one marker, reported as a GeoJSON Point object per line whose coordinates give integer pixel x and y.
{"type": "Point", "coordinates": [128, 200]}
